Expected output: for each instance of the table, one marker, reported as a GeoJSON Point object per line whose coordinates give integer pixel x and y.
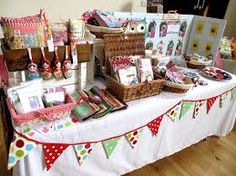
{"type": "Point", "coordinates": [172, 136]}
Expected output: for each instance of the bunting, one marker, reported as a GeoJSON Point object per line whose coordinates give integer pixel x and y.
{"type": "Point", "coordinates": [133, 136]}
{"type": "Point", "coordinates": [154, 125]}
{"type": "Point", "coordinates": [174, 113]}
{"type": "Point", "coordinates": [21, 145]}
{"type": "Point", "coordinates": [210, 103]}
{"type": "Point", "coordinates": [83, 151]}
{"type": "Point", "coordinates": [185, 108]}
{"type": "Point", "coordinates": [197, 107]}
{"type": "Point", "coordinates": [52, 152]}
{"type": "Point", "coordinates": [109, 146]}
{"type": "Point", "coordinates": [19, 148]}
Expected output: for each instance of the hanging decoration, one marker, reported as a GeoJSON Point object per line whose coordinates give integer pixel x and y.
{"type": "Point", "coordinates": [174, 113]}
{"type": "Point", "coordinates": [110, 145]}
{"type": "Point", "coordinates": [52, 152]}
{"type": "Point", "coordinates": [197, 107]}
{"type": "Point", "coordinates": [185, 108]}
{"type": "Point", "coordinates": [19, 148]}
{"type": "Point", "coordinates": [22, 144]}
{"type": "Point", "coordinates": [83, 151]}
{"type": "Point", "coordinates": [155, 125]}
{"type": "Point", "coordinates": [133, 136]}
{"type": "Point", "coordinates": [210, 103]}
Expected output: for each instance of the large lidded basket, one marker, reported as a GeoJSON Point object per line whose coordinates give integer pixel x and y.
{"type": "Point", "coordinates": [128, 44]}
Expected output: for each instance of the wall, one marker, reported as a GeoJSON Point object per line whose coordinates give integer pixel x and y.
{"type": "Point", "coordinates": [230, 14]}
{"type": "Point", "coordinates": [61, 9]}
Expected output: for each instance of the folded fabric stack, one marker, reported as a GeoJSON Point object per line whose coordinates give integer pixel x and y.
{"type": "Point", "coordinates": [95, 103]}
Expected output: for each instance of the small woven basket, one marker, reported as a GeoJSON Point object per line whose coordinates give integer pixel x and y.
{"type": "Point", "coordinates": [45, 114]}
{"type": "Point", "coordinates": [128, 44]}
{"type": "Point", "coordinates": [175, 87]}
{"type": "Point", "coordinates": [195, 65]}
{"type": "Point", "coordinates": [99, 31]}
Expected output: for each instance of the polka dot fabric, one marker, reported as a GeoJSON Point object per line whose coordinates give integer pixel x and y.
{"type": "Point", "coordinates": [154, 125]}
{"type": "Point", "coordinates": [133, 136]}
{"type": "Point", "coordinates": [19, 148]}
{"type": "Point", "coordinates": [197, 107]}
{"type": "Point", "coordinates": [52, 152]}
{"type": "Point", "coordinates": [83, 151]}
{"type": "Point", "coordinates": [222, 99]}
{"type": "Point", "coordinates": [110, 145]}
{"type": "Point", "coordinates": [174, 113]}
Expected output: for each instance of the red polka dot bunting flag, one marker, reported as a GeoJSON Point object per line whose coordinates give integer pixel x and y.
{"type": "Point", "coordinates": [19, 148]}
{"type": "Point", "coordinates": [210, 103]}
{"type": "Point", "coordinates": [83, 151]}
{"type": "Point", "coordinates": [133, 136]}
{"type": "Point", "coordinates": [154, 125]}
{"type": "Point", "coordinates": [197, 107]}
{"type": "Point", "coordinates": [52, 152]}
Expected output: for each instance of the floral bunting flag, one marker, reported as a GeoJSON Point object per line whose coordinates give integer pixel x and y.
{"type": "Point", "coordinates": [222, 99]}
{"type": "Point", "coordinates": [133, 136]}
{"type": "Point", "coordinates": [109, 146]}
{"type": "Point", "coordinates": [154, 125]}
{"type": "Point", "coordinates": [174, 113]}
{"type": "Point", "coordinates": [52, 152]}
{"type": "Point", "coordinates": [185, 107]}
{"type": "Point", "coordinates": [83, 151]}
{"type": "Point", "coordinates": [210, 103]}
{"type": "Point", "coordinates": [19, 148]}
{"type": "Point", "coordinates": [197, 107]}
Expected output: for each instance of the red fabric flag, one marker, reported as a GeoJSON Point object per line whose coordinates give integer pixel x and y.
{"type": "Point", "coordinates": [210, 103]}
{"type": "Point", "coordinates": [154, 125]}
{"type": "Point", "coordinates": [52, 152]}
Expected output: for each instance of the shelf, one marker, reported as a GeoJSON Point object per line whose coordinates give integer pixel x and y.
{"type": "Point", "coordinates": [17, 60]}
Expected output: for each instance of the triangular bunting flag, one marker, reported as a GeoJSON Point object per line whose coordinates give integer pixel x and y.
{"type": "Point", "coordinates": [210, 103]}
{"type": "Point", "coordinates": [222, 99]}
{"type": "Point", "coordinates": [233, 93]}
{"type": "Point", "coordinates": [185, 107]}
{"type": "Point", "coordinates": [174, 113]}
{"type": "Point", "coordinates": [19, 148]}
{"type": "Point", "coordinates": [133, 136]}
{"type": "Point", "coordinates": [83, 151]}
{"type": "Point", "coordinates": [154, 125]}
{"type": "Point", "coordinates": [197, 107]}
{"type": "Point", "coordinates": [52, 152]}
{"type": "Point", "coordinates": [109, 146]}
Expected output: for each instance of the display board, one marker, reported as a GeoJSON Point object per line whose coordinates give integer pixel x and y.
{"type": "Point", "coordinates": [178, 35]}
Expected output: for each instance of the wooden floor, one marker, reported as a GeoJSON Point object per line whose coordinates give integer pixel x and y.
{"type": "Point", "coordinates": [211, 157]}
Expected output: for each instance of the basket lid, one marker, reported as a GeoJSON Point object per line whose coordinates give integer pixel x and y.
{"type": "Point", "coordinates": [124, 44]}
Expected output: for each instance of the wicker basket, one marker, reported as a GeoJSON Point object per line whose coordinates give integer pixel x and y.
{"type": "Point", "coordinates": [195, 65]}
{"type": "Point", "coordinates": [128, 44]}
{"type": "Point", "coordinates": [175, 87]}
{"type": "Point", "coordinates": [99, 31]}
{"type": "Point", "coordinates": [45, 114]}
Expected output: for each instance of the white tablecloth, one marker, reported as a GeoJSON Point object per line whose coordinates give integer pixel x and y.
{"type": "Point", "coordinates": [172, 137]}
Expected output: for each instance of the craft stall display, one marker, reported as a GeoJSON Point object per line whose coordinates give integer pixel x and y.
{"type": "Point", "coordinates": [148, 100]}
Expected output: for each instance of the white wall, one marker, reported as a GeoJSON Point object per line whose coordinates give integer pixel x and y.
{"type": "Point", "coordinates": [65, 9]}
{"type": "Point", "coordinates": [230, 15]}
